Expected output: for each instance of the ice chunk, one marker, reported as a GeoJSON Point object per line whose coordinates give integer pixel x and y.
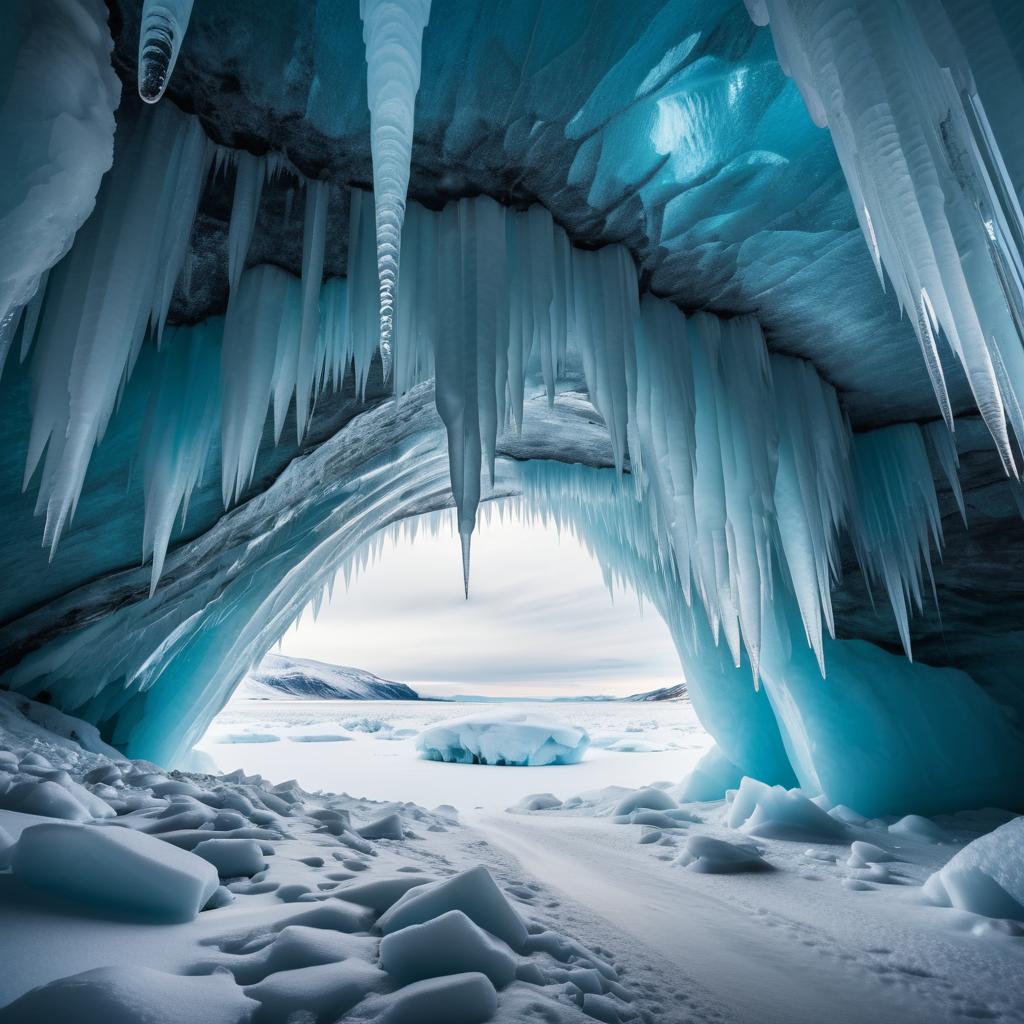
{"type": "Point", "coordinates": [115, 868]}
{"type": "Point", "coordinates": [6, 848]}
{"type": "Point", "coordinates": [381, 893]}
{"type": "Point", "coordinates": [449, 944]}
{"type": "Point", "coordinates": [706, 855]}
{"type": "Point", "coordinates": [651, 799]}
{"type": "Point", "coordinates": [455, 999]}
{"type": "Point", "coordinates": [232, 858]}
{"type": "Point", "coordinates": [129, 995]}
{"type": "Point", "coordinates": [986, 876]}
{"type": "Point", "coordinates": [324, 991]}
{"type": "Point", "coordinates": [520, 738]}
{"type": "Point", "coordinates": [44, 798]}
{"type": "Point", "coordinates": [387, 827]}
{"type": "Point", "coordinates": [473, 892]}
{"type": "Point", "coordinates": [924, 830]}
{"type": "Point", "coordinates": [773, 812]}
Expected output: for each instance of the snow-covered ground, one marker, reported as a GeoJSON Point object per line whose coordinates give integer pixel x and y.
{"type": "Point", "coordinates": [329, 744]}
{"type": "Point", "coordinates": [619, 904]}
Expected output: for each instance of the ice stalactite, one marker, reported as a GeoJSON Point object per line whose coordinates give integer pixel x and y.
{"type": "Point", "coordinates": [249, 177]}
{"type": "Point", "coordinates": [58, 94]}
{"type": "Point", "coordinates": [895, 519]}
{"type": "Point", "coordinates": [393, 35]}
{"type": "Point", "coordinates": [933, 177]}
{"type": "Point", "coordinates": [314, 237]}
{"type": "Point", "coordinates": [181, 423]}
{"type": "Point", "coordinates": [113, 288]}
{"type": "Point", "coordinates": [164, 23]}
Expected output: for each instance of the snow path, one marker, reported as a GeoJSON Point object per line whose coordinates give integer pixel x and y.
{"type": "Point", "coordinates": [737, 966]}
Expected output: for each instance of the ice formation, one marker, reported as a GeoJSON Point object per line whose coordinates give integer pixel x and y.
{"type": "Point", "coordinates": [986, 876]}
{"type": "Point", "coordinates": [393, 34]}
{"type": "Point", "coordinates": [524, 739]}
{"type": "Point", "coordinates": [51, 50]}
{"type": "Point", "coordinates": [933, 172]}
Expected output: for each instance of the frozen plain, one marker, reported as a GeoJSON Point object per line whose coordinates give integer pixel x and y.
{"type": "Point", "coordinates": [374, 742]}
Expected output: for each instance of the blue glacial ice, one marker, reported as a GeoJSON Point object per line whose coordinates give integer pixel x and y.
{"type": "Point", "coordinates": [523, 739]}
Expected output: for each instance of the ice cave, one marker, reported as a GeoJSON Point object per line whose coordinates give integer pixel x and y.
{"type": "Point", "coordinates": [729, 291]}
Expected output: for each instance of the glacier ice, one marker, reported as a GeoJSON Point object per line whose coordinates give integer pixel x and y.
{"type": "Point", "coordinates": [164, 23]}
{"type": "Point", "coordinates": [57, 100]}
{"type": "Point", "coordinates": [393, 34]}
{"type": "Point", "coordinates": [520, 738]}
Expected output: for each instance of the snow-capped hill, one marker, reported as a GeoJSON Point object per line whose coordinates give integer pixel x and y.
{"type": "Point", "coordinates": [677, 692]}
{"type": "Point", "coordinates": [280, 676]}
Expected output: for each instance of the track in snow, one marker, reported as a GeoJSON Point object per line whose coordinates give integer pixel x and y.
{"type": "Point", "coordinates": [738, 966]}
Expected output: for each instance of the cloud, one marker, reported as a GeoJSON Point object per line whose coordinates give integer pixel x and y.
{"type": "Point", "coordinates": [538, 620]}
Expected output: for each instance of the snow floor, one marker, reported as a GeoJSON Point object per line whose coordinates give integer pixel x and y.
{"type": "Point", "coordinates": [579, 912]}
{"type": "Point", "coordinates": [375, 742]}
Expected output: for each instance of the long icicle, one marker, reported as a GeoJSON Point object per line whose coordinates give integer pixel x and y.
{"type": "Point", "coordinates": [393, 34]}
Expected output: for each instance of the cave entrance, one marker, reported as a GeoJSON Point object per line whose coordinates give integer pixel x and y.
{"type": "Point", "coordinates": [396, 648]}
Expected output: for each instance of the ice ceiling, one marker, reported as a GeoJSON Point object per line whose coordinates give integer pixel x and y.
{"type": "Point", "coordinates": [713, 294]}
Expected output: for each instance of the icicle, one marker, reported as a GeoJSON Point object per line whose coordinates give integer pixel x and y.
{"type": "Point", "coordinates": [943, 444]}
{"type": "Point", "coordinates": [393, 35]}
{"type": "Point", "coordinates": [180, 426]}
{"type": "Point", "coordinates": [314, 237]}
{"type": "Point", "coordinates": [249, 178]}
{"type": "Point", "coordinates": [163, 27]}
{"type": "Point", "coordinates": [116, 282]}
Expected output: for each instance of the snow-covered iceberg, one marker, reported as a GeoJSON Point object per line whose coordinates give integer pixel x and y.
{"type": "Point", "coordinates": [525, 739]}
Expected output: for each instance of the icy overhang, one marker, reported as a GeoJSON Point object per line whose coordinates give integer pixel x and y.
{"type": "Point", "coordinates": [663, 125]}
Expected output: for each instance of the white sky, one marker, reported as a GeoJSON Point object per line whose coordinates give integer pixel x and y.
{"type": "Point", "coordinates": [538, 622]}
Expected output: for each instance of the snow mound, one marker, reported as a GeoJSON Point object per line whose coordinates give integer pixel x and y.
{"type": "Point", "coordinates": [986, 877]}
{"type": "Point", "coordinates": [114, 869]}
{"type": "Point", "coordinates": [536, 802]}
{"type": "Point", "coordinates": [449, 944]}
{"type": "Point", "coordinates": [520, 738]}
{"type": "Point", "coordinates": [774, 812]}
{"type": "Point", "coordinates": [131, 995]}
{"type": "Point", "coordinates": [651, 799]}
{"type": "Point", "coordinates": [717, 857]}
{"type": "Point", "coordinates": [473, 892]}
{"type": "Point", "coordinates": [46, 798]}
{"type": "Point", "coordinates": [321, 737]}
{"type": "Point", "coordinates": [924, 830]}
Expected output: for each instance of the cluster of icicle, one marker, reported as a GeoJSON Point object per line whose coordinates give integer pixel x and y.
{"type": "Point", "coordinates": [745, 457]}
{"type": "Point", "coordinates": [935, 192]}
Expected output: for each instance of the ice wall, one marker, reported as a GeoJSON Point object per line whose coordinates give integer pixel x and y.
{"type": "Point", "coordinates": [934, 171]}
{"type": "Point", "coordinates": [58, 94]}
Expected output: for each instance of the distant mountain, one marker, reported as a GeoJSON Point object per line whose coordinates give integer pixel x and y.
{"type": "Point", "coordinates": [279, 676]}
{"type": "Point", "coordinates": [677, 692]}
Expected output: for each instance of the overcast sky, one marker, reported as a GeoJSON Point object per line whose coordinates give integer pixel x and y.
{"type": "Point", "coordinates": [538, 621]}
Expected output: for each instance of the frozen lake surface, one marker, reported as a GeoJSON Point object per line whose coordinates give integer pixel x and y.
{"type": "Point", "coordinates": [368, 748]}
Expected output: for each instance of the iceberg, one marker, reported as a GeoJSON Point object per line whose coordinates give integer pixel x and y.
{"type": "Point", "coordinates": [521, 739]}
